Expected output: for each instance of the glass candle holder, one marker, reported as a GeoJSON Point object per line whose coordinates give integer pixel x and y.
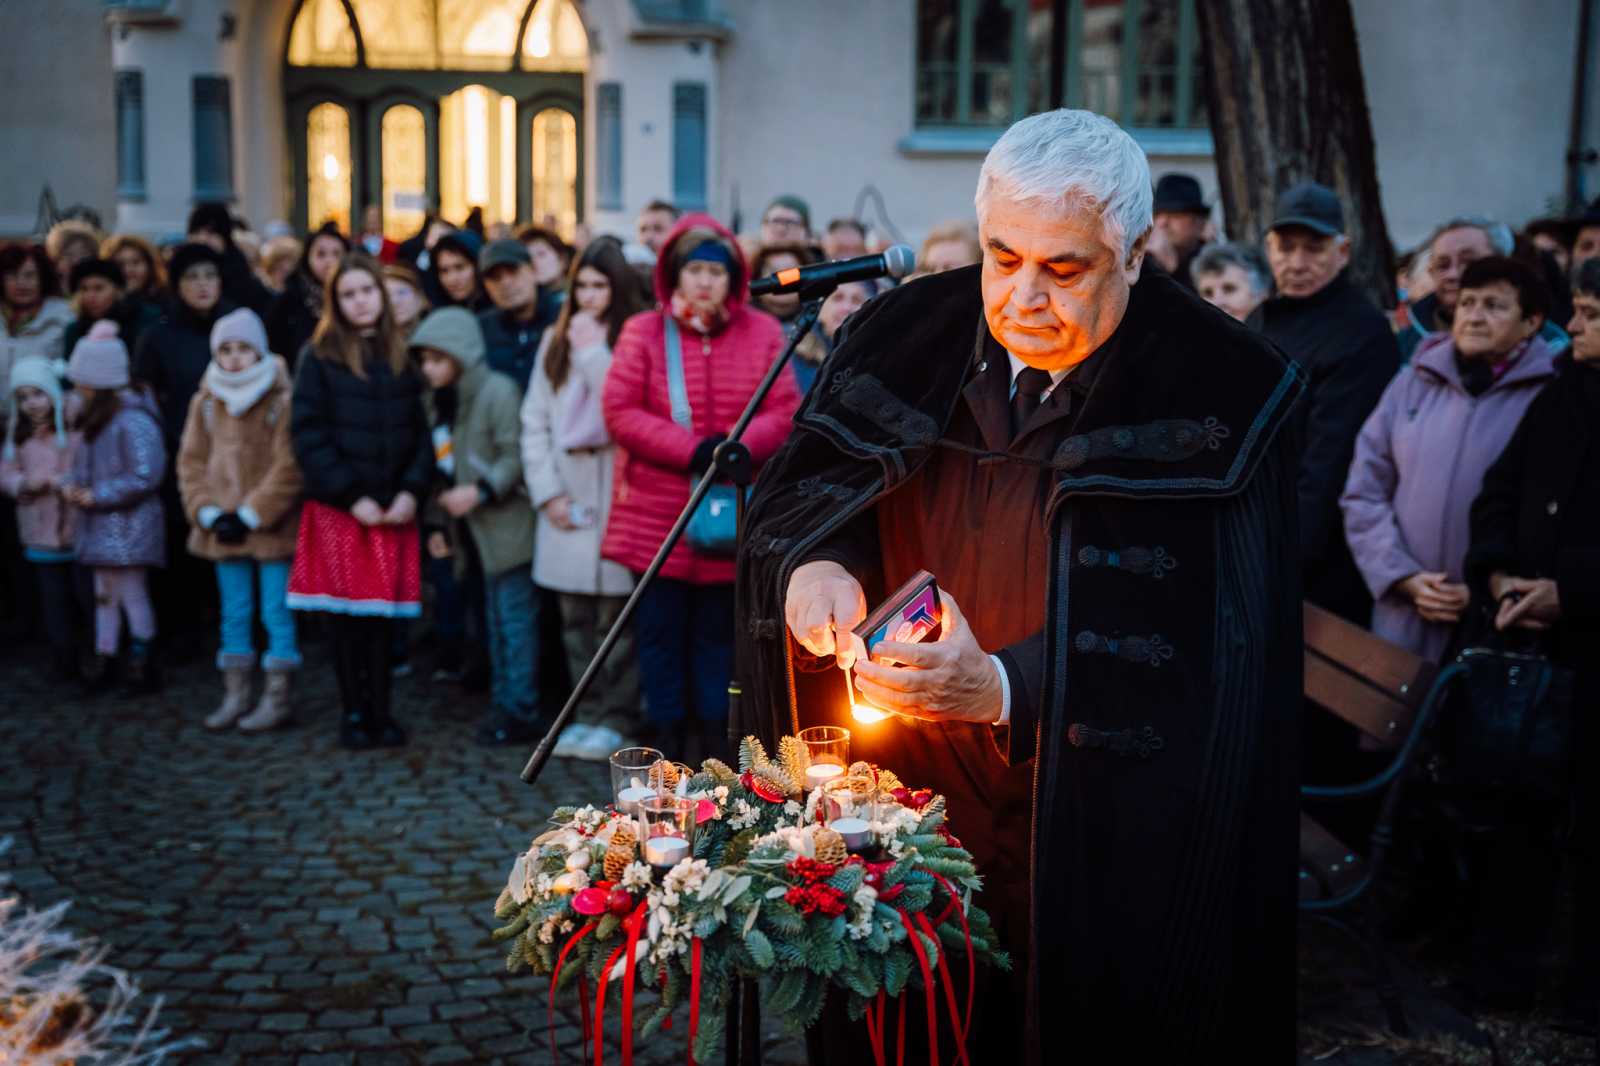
{"type": "Point", "coordinates": [848, 809]}
{"type": "Point", "coordinates": [630, 777]}
{"type": "Point", "coordinates": [668, 824]}
{"type": "Point", "coordinates": [827, 753]}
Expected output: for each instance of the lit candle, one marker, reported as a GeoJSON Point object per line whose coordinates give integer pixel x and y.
{"type": "Point", "coordinates": [857, 832]}
{"type": "Point", "coordinates": [628, 799]}
{"type": "Point", "coordinates": [665, 852]}
{"type": "Point", "coordinates": [820, 773]}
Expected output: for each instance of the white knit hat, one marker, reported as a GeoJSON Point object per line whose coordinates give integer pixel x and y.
{"type": "Point", "coordinates": [40, 373]}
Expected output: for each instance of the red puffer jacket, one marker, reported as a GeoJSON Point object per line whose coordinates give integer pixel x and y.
{"type": "Point", "coordinates": [721, 372]}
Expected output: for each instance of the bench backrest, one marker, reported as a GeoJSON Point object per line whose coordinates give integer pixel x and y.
{"type": "Point", "coordinates": [1370, 683]}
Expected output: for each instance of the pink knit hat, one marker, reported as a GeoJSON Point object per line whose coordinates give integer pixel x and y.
{"type": "Point", "coordinates": [99, 359]}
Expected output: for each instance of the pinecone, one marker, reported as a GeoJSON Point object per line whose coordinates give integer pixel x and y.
{"type": "Point", "coordinates": [663, 775]}
{"type": "Point", "coordinates": [616, 861]}
{"type": "Point", "coordinates": [830, 847]}
{"type": "Point", "coordinates": [623, 836]}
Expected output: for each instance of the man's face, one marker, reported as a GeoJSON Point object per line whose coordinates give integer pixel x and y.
{"type": "Point", "coordinates": [844, 243]}
{"type": "Point", "coordinates": [1453, 250]}
{"type": "Point", "coordinates": [438, 369]}
{"type": "Point", "coordinates": [1304, 261]}
{"type": "Point", "coordinates": [653, 229]}
{"type": "Point", "coordinates": [1489, 322]}
{"type": "Point", "coordinates": [457, 276]}
{"type": "Point", "coordinates": [1585, 327]}
{"type": "Point", "coordinates": [97, 296]}
{"type": "Point", "coordinates": [512, 287]}
{"type": "Point", "coordinates": [1586, 247]}
{"type": "Point", "coordinates": [782, 225]}
{"type": "Point", "coordinates": [1053, 291]}
{"type": "Point", "coordinates": [1184, 229]}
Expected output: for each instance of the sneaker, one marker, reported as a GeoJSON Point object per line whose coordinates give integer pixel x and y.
{"type": "Point", "coordinates": [572, 737]}
{"type": "Point", "coordinates": [599, 744]}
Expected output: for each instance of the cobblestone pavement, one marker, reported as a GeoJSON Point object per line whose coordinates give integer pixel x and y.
{"type": "Point", "coordinates": [294, 903]}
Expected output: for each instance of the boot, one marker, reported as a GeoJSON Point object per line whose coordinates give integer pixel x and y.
{"type": "Point", "coordinates": [141, 676]}
{"type": "Point", "coordinates": [379, 688]}
{"type": "Point", "coordinates": [235, 698]}
{"type": "Point", "coordinates": [355, 721]}
{"type": "Point", "coordinates": [97, 672]}
{"type": "Point", "coordinates": [274, 709]}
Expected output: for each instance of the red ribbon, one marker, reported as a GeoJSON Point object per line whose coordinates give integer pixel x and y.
{"type": "Point", "coordinates": [694, 994]}
{"type": "Point", "coordinates": [875, 1029]}
{"type": "Point", "coordinates": [600, 1010]}
{"type": "Point", "coordinates": [555, 978]}
{"type": "Point", "coordinates": [972, 963]}
{"type": "Point", "coordinates": [927, 987]}
{"type": "Point", "coordinates": [949, 993]}
{"type": "Point", "coordinates": [633, 922]}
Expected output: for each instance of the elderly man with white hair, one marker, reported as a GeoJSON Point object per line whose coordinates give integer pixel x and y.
{"type": "Point", "coordinates": [1099, 470]}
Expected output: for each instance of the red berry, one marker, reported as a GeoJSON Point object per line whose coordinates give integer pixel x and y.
{"type": "Point", "coordinates": [620, 902]}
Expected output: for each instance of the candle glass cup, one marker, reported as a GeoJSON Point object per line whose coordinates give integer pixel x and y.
{"type": "Point", "coordinates": [667, 824]}
{"type": "Point", "coordinates": [848, 808]}
{"type": "Point", "coordinates": [827, 753]}
{"type": "Point", "coordinates": [630, 777]}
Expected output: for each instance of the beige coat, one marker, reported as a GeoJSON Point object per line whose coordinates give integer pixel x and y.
{"type": "Point", "coordinates": [569, 560]}
{"type": "Point", "coordinates": [246, 462]}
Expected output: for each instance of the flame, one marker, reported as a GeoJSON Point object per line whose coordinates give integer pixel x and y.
{"type": "Point", "coordinates": [861, 712]}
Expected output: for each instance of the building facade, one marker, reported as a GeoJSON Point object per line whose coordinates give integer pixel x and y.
{"type": "Point", "coordinates": [569, 110]}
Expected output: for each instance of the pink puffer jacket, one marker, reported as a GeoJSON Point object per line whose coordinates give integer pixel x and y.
{"type": "Point", "coordinates": [721, 372]}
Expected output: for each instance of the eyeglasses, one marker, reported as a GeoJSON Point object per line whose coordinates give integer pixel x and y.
{"type": "Point", "coordinates": [783, 222]}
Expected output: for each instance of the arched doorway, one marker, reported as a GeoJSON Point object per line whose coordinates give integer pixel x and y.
{"type": "Point", "coordinates": [455, 103]}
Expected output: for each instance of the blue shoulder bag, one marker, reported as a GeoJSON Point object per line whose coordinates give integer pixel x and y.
{"type": "Point", "coordinates": [713, 528]}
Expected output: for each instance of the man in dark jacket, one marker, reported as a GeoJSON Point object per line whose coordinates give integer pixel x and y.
{"type": "Point", "coordinates": [522, 311]}
{"type": "Point", "coordinates": [1344, 345]}
{"type": "Point", "coordinates": [1097, 473]}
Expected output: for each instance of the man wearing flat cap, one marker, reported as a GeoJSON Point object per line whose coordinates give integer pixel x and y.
{"type": "Point", "coordinates": [1099, 470]}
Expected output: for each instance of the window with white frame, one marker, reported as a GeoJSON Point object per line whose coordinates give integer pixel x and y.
{"type": "Point", "coordinates": [986, 63]}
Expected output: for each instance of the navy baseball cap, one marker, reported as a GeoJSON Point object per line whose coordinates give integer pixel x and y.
{"type": "Point", "coordinates": [1314, 206]}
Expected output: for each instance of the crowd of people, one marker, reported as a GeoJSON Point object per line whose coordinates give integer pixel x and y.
{"type": "Point", "coordinates": [501, 424]}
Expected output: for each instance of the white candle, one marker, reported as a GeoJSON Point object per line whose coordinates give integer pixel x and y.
{"type": "Point", "coordinates": [628, 799]}
{"type": "Point", "coordinates": [819, 773]}
{"type": "Point", "coordinates": [665, 851]}
{"type": "Point", "coordinates": [857, 832]}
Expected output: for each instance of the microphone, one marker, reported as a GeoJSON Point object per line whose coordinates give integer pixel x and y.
{"type": "Point", "coordinates": [895, 261]}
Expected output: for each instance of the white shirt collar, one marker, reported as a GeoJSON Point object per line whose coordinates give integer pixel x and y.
{"type": "Point", "coordinates": [1056, 376]}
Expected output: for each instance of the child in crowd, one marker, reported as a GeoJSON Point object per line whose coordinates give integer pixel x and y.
{"type": "Point", "coordinates": [116, 483]}
{"type": "Point", "coordinates": [361, 441]}
{"type": "Point", "coordinates": [241, 492]}
{"type": "Point", "coordinates": [476, 425]}
{"type": "Point", "coordinates": [568, 455]}
{"type": "Point", "coordinates": [36, 458]}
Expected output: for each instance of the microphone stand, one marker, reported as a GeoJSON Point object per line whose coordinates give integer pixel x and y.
{"type": "Point", "coordinates": [731, 462]}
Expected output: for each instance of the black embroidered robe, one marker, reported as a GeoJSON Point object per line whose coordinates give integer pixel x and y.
{"type": "Point", "coordinates": [1151, 892]}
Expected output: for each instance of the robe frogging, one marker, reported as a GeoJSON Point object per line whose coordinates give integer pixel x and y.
{"type": "Point", "coordinates": [1162, 689]}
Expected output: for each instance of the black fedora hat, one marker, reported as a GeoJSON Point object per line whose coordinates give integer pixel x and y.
{"type": "Point", "coordinates": [1179, 193]}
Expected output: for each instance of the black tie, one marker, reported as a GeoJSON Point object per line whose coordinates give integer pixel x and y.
{"type": "Point", "coordinates": [1031, 384]}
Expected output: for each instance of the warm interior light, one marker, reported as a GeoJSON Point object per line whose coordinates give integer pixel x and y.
{"type": "Point", "coordinates": [477, 154]}
{"type": "Point", "coordinates": [863, 713]}
{"type": "Point", "coordinates": [330, 167]}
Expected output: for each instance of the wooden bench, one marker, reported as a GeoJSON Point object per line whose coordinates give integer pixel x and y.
{"type": "Point", "coordinates": [1390, 696]}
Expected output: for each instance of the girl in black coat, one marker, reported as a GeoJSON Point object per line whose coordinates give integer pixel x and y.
{"type": "Point", "coordinates": [1536, 555]}
{"type": "Point", "coordinates": [363, 446]}
{"type": "Point", "coordinates": [298, 307]}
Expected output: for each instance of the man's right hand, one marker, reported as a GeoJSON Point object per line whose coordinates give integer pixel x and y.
{"type": "Point", "coordinates": [823, 599]}
{"type": "Point", "coordinates": [1435, 596]}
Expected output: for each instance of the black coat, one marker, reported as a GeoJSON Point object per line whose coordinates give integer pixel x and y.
{"type": "Point", "coordinates": [1348, 352]}
{"type": "Point", "coordinates": [1165, 829]}
{"type": "Point", "coordinates": [510, 346]}
{"type": "Point", "coordinates": [172, 358]}
{"type": "Point", "coordinates": [294, 315]}
{"type": "Point", "coordinates": [1539, 514]}
{"type": "Point", "coordinates": [240, 286]}
{"type": "Point", "coordinates": [356, 437]}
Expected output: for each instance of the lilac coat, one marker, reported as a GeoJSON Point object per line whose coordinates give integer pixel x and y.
{"type": "Point", "coordinates": [124, 466]}
{"type": "Point", "coordinates": [1419, 464]}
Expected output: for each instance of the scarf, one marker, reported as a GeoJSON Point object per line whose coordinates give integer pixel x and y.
{"type": "Point", "coordinates": [1479, 375]}
{"type": "Point", "coordinates": [240, 391]}
{"type": "Point", "coordinates": [702, 320]}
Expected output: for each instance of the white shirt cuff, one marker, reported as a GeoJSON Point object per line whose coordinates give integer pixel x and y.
{"type": "Point", "coordinates": [1005, 693]}
{"type": "Point", "coordinates": [248, 516]}
{"type": "Point", "coordinates": [208, 515]}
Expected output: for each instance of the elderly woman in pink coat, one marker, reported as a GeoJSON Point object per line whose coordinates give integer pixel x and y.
{"type": "Point", "coordinates": [1421, 456]}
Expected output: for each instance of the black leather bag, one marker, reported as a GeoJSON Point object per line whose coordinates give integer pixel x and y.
{"type": "Point", "coordinates": [1510, 729]}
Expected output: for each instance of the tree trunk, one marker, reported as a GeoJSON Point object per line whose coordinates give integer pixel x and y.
{"type": "Point", "coordinates": [1288, 103]}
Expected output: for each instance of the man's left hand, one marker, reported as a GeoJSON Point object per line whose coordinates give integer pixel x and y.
{"type": "Point", "coordinates": [948, 680]}
{"type": "Point", "coordinates": [1536, 605]}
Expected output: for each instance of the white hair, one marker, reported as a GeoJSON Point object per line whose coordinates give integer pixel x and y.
{"type": "Point", "coordinates": [1065, 160]}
